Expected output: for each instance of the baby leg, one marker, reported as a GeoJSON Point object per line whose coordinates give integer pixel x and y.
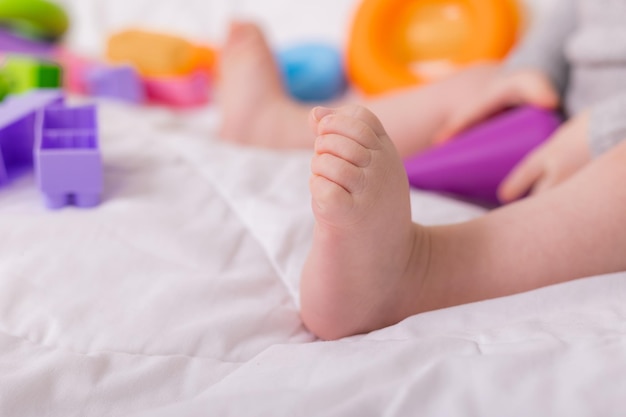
{"type": "Point", "coordinates": [370, 266]}
{"type": "Point", "coordinates": [256, 109]}
{"type": "Point", "coordinates": [365, 267]}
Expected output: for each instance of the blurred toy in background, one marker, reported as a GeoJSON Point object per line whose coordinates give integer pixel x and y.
{"type": "Point", "coordinates": [120, 82]}
{"type": "Point", "coordinates": [178, 72]}
{"type": "Point", "coordinates": [313, 71]}
{"type": "Point", "coordinates": [157, 54]}
{"type": "Point", "coordinates": [182, 91]}
{"type": "Point", "coordinates": [75, 70]}
{"type": "Point", "coordinates": [141, 66]}
{"type": "Point", "coordinates": [5, 85]}
{"type": "Point", "coordinates": [175, 71]}
{"type": "Point", "coordinates": [37, 19]}
{"type": "Point", "coordinates": [145, 67]}
{"type": "Point", "coordinates": [26, 73]}
{"type": "Point", "coordinates": [399, 43]}
{"type": "Point", "coordinates": [28, 34]}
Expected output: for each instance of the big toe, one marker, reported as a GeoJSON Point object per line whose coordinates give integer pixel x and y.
{"type": "Point", "coordinates": [365, 115]}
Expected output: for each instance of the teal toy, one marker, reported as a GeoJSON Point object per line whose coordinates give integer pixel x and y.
{"type": "Point", "coordinates": [313, 71]}
{"type": "Point", "coordinates": [35, 18]}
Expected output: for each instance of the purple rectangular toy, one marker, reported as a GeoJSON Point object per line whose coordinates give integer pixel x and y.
{"type": "Point", "coordinates": [120, 82]}
{"type": "Point", "coordinates": [17, 129]}
{"type": "Point", "coordinates": [473, 164]}
{"type": "Point", "coordinates": [68, 162]}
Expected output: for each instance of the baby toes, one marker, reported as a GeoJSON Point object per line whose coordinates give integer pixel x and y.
{"type": "Point", "coordinates": [339, 171]}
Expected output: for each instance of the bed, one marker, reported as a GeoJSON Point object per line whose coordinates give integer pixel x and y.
{"type": "Point", "coordinates": [178, 295]}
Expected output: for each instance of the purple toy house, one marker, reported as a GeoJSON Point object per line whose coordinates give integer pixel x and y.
{"type": "Point", "coordinates": [68, 162]}
{"type": "Point", "coordinates": [17, 130]}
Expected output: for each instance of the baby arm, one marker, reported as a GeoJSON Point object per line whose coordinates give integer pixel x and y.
{"type": "Point", "coordinates": [589, 134]}
{"type": "Point", "coordinates": [551, 163]}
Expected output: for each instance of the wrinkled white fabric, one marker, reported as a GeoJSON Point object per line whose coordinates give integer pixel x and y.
{"type": "Point", "coordinates": [179, 296]}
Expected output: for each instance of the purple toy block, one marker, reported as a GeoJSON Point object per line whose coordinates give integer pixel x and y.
{"type": "Point", "coordinates": [17, 129]}
{"type": "Point", "coordinates": [67, 156]}
{"type": "Point", "coordinates": [122, 83]}
{"type": "Point", "coordinates": [473, 164]}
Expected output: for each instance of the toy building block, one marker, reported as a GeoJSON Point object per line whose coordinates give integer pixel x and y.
{"type": "Point", "coordinates": [5, 85]}
{"type": "Point", "coordinates": [121, 83]}
{"type": "Point", "coordinates": [27, 73]}
{"type": "Point", "coordinates": [313, 71]}
{"type": "Point", "coordinates": [183, 91]}
{"type": "Point", "coordinates": [17, 129]}
{"type": "Point", "coordinates": [68, 162]}
{"type": "Point", "coordinates": [158, 54]}
{"type": "Point", "coordinates": [75, 70]}
{"type": "Point", "coordinates": [473, 164]}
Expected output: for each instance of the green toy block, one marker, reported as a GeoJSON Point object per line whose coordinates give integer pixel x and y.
{"type": "Point", "coordinates": [5, 85]}
{"type": "Point", "coordinates": [27, 73]}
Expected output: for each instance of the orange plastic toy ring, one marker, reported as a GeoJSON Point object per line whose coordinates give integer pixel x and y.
{"type": "Point", "coordinates": [390, 37]}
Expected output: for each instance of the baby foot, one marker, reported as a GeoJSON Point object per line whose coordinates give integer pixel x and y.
{"type": "Point", "coordinates": [254, 104]}
{"type": "Point", "coordinates": [366, 265]}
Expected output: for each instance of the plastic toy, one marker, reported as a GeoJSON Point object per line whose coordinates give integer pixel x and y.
{"type": "Point", "coordinates": [158, 54]}
{"type": "Point", "coordinates": [389, 38]}
{"type": "Point", "coordinates": [10, 42]}
{"type": "Point", "coordinates": [120, 83]}
{"type": "Point", "coordinates": [188, 91]}
{"type": "Point", "coordinates": [38, 18]}
{"type": "Point", "coordinates": [474, 164]}
{"type": "Point", "coordinates": [5, 85]}
{"type": "Point", "coordinates": [75, 70]}
{"type": "Point", "coordinates": [17, 129]}
{"type": "Point", "coordinates": [175, 91]}
{"type": "Point", "coordinates": [27, 73]}
{"type": "Point", "coordinates": [68, 162]}
{"type": "Point", "coordinates": [313, 72]}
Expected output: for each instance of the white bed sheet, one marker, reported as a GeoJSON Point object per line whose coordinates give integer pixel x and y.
{"type": "Point", "coordinates": [179, 296]}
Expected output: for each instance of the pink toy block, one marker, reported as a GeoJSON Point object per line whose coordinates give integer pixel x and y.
{"type": "Point", "coordinates": [75, 69]}
{"type": "Point", "coordinates": [68, 162]}
{"type": "Point", "coordinates": [187, 91]}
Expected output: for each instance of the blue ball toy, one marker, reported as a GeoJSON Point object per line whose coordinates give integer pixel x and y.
{"type": "Point", "coordinates": [313, 71]}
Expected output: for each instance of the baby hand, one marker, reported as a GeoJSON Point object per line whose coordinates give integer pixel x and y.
{"type": "Point", "coordinates": [510, 88]}
{"type": "Point", "coordinates": [550, 164]}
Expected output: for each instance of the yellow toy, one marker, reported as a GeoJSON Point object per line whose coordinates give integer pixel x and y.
{"type": "Point", "coordinates": [159, 55]}
{"type": "Point", "coordinates": [391, 40]}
